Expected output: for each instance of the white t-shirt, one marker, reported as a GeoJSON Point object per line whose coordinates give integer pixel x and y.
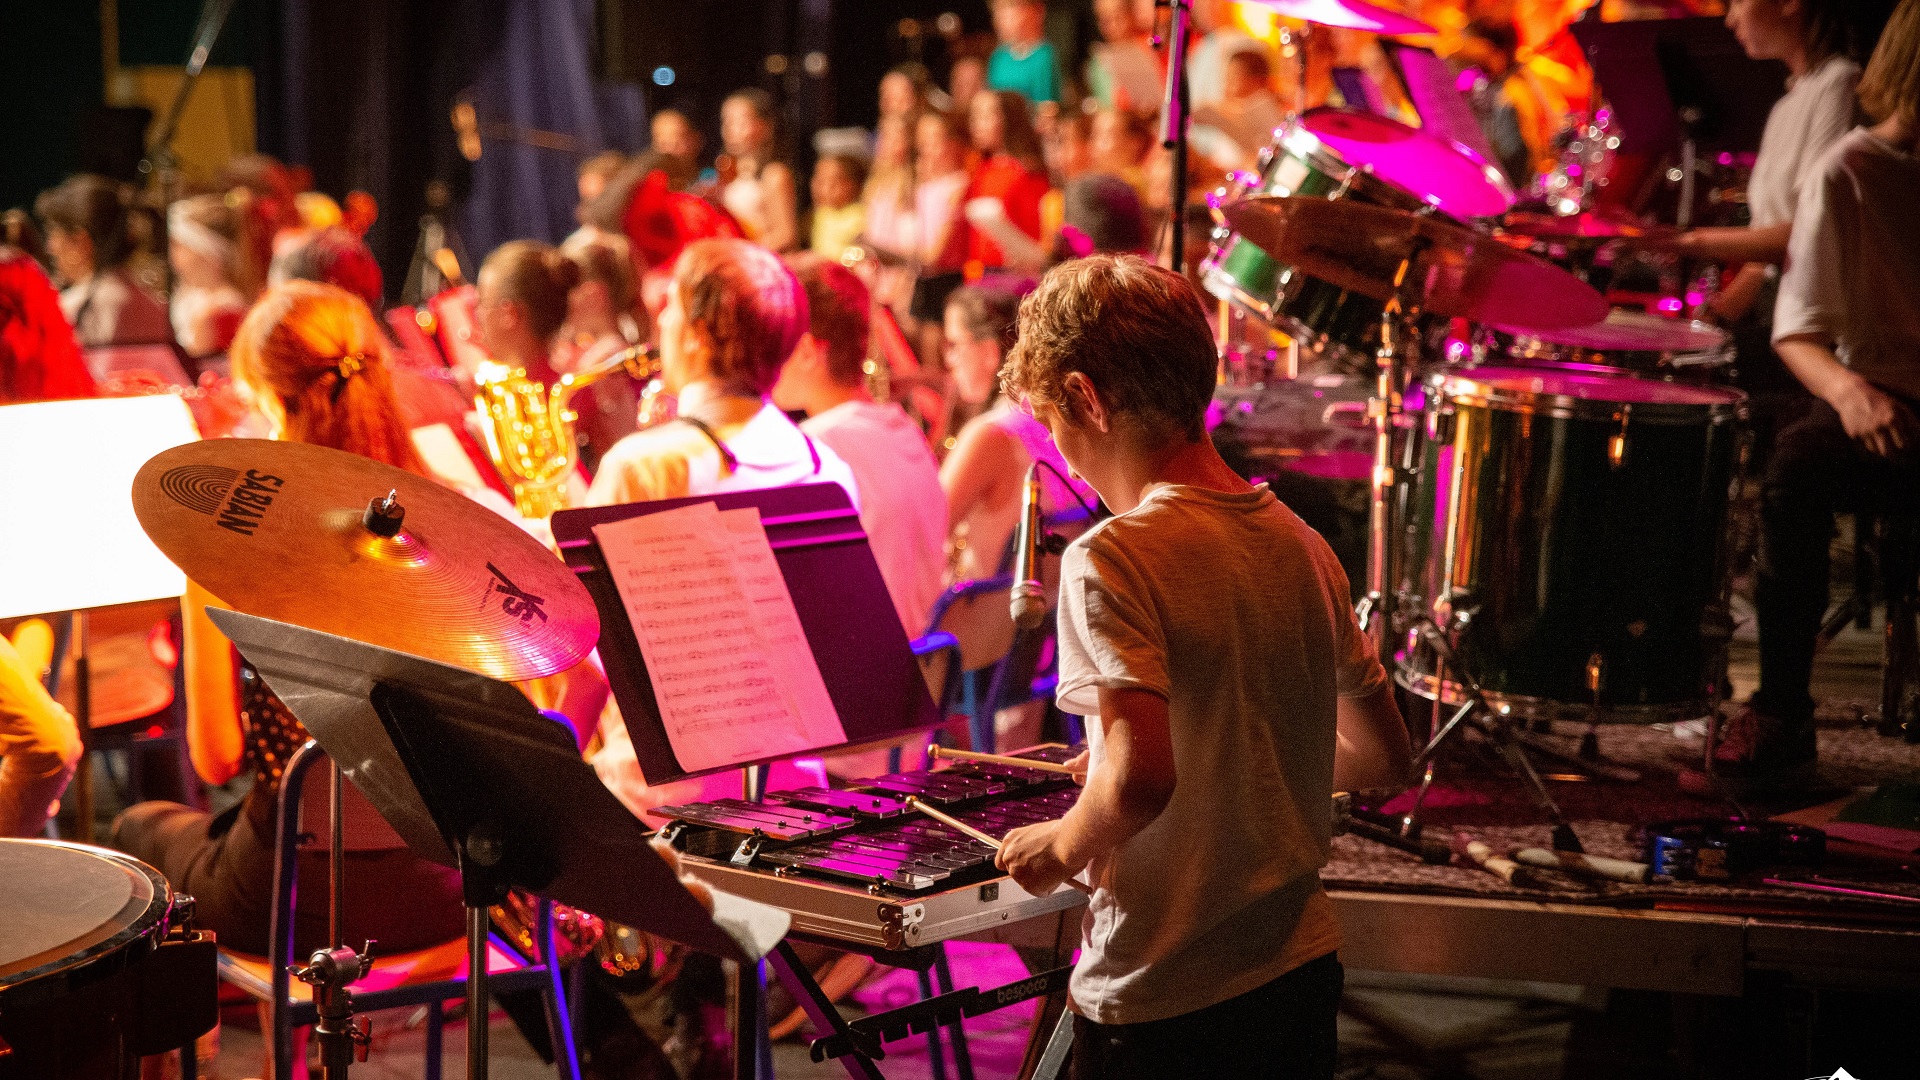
{"type": "Point", "coordinates": [902, 507]}
{"type": "Point", "coordinates": [1237, 612]}
{"type": "Point", "coordinates": [1816, 111]}
{"type": "Point", "coordinates": [1853, 265]}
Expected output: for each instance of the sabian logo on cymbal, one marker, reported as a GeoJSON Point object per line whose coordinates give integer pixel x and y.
{"type": "Point", "coordinates": [236, 502]}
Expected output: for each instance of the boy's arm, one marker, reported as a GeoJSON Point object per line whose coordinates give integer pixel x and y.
{"type": "Point", "coordinates": [1370, 744]}
{"type": "Point", "coordinates": [1133, 785]}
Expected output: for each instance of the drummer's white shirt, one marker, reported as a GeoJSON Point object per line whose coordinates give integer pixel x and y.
{"type": "Point", "coordinates": [1816, 111]}
{"type": "Point", "coordinates": [1252, 645]}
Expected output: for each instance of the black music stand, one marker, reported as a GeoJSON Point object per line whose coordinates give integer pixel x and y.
{"type": "Point", "coordinates": [473, 777]}
{"type": "Point", "coordinates": [863, 653]}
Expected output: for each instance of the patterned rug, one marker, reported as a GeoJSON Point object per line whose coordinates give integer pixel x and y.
{"type": "Point", "coordinates": [1476, 794]}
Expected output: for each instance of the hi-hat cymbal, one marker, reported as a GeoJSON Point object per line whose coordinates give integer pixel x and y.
{"type": "Point", "coordinates": [1349, 15]}
{"type": "Point", "coordinates": [1454, 272]}
{"type": "Point", "coordinates": [277, 529]}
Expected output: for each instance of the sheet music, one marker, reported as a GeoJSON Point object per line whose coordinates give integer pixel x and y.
{"type": "Point", "coordinates": [778, 624]}
{"type": "Point", "coordinates": [730, 688]}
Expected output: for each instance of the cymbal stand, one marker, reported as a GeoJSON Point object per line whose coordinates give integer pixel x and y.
{"type": "Point", "coordinates": [1173, 134]}
{"type": "Point", "coordinates": [332, 970]}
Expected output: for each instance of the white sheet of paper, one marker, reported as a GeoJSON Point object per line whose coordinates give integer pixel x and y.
{"type": "Point", "coordinates": [727, 691]}
{"type": "Point", "coordinates": [781, 634]}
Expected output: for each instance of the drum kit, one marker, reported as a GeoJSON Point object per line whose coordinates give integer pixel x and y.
{"type": "Point", "coordinates": [1550, 479]}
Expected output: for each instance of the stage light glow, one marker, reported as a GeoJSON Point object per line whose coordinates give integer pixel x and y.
{"type": "Point", "coordinates": [663, 76]}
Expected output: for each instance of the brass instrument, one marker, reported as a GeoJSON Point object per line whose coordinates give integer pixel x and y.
{"type": "Point", "coordinates": [530, 428]}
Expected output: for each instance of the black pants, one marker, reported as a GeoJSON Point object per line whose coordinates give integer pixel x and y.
{"type": "Point", "coordinates": [1816, 470]}
{"type": "Point", "coordinates": [394, 897]}
{"type": "Point", "coordinates": [1281, 1031]}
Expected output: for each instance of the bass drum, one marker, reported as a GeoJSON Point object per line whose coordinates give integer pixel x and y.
{"type": "Point", "coordinates": [90, 978]}
{"type": "Point", "coordinates": [1572, 532]}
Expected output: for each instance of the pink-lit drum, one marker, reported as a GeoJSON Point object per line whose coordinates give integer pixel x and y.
{"type": "Point", "coordinates": [1339, 154]}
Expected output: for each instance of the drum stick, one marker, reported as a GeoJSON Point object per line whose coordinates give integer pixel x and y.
{"type": "Point", "coordinates": [1483, 857]}
{"type": "Point", "coordinates": [951, 822]}
{"type": "Point", "coordinates": [999, 759]}
{"type": "Point", "coordinates": [1593, 866]}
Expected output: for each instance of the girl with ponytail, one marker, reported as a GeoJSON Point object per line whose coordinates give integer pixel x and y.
{"type": "Point", "coordinates": [521, 303]}
{"type": "Point", "coordinates": [313, 362]}
{"type": "Point", "coordinates": [311, 359]}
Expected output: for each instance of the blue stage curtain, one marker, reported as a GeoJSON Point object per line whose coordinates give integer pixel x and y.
{"type": "Point", "coordinates": [538, 80]}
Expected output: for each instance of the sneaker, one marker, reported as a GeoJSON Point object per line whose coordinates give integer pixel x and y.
{"type": "Point", "coordinates": [1757, 754]}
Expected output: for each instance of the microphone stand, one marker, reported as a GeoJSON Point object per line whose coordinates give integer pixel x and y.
{"type": "Point", "coordinates": [1173, 113]}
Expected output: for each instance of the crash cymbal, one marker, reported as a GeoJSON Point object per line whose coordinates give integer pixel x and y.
{"type": "Point", "coordinates": [1350, 15]}
{"type": "Point", "coordinates": [1455, 271]}
{"type": "Point", "coordinates": [281, 530]}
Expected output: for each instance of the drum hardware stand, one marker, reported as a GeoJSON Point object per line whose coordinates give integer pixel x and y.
{"type": "Point", "coordinates": [332, 970]}
{"type": "Point", "coordinates": [1174, 107]}
{"type": "Point", "coordinates": [1476, 712]}
{"type": "Point", "coordinates": [1375, 611]}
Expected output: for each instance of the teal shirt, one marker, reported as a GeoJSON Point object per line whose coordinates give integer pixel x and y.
{"type": "Point", "coordinates": [1036, 74]}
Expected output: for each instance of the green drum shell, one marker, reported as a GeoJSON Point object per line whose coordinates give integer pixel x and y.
{"type": "Point", "coordinates": [1317, 313]}
{"type": "Point", "coordinates": [1585, 540]}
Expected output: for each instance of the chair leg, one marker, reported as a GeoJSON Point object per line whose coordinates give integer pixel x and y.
{"type": "Point", "coordinates": [436, 1031]}
{"type": "Point", "coordinates": [559, 1016]}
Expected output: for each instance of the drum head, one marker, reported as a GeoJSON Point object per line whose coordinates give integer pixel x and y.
{"type": "Point", "coordinates": [1636, 331]}
{"type": "Point", "coordinates": [1441, 172]}
{"type": "Point", "coordinates": [1583, 395]}
{"type": "Point", "coordinates": [66, 905]}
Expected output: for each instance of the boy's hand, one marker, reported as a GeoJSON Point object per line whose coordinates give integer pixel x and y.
{"type": "Point", "coordinates": [1030, 856]}
{"type": "Point", "coordinates": [1078, 763]}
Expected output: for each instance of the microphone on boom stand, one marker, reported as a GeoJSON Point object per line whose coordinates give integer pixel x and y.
{"type": "Point", "coordinates": [1029, 603]}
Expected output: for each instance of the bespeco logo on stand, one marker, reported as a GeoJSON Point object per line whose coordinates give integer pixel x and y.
{"type": "Point", "coordinates": [1838, 1074]}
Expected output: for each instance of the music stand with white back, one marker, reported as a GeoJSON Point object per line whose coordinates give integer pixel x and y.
{"type": "Point", "coordinates": [69, 540]}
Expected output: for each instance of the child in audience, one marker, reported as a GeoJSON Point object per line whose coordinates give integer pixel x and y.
{"type": "Point", "coordinates": [1023, 63]}
{"type": "Point", "coordinates": [941, 178]}
{"type": "Point", "coordinates": [839, 217]}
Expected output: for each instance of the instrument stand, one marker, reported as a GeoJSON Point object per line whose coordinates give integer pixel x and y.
{"type": "Point", "coordinates": [471, 776]}
{"type": "Point", "coordinates": [859, 1044]}
{"type": "Point", "coordinates": [1476, 714]}
{"type": "Point", "coordinates": [1175, 108]}
{"type": "Point", "coordinates": [332, 970]}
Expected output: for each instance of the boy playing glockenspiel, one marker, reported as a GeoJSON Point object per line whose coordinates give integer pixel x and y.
{"type": "Point", "coordinates": [1206, 634]}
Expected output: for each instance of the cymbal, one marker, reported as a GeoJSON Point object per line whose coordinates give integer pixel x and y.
{"type": "Point", "coordinates": [276, 529]}
{"type": "Point", "coordinates": [1455, 271]}
{"type": "Point", "coordinates": [1349, 15]}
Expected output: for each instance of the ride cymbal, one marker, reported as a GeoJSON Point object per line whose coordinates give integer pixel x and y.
{"type": "Point", "coordinates": [283, 530]}
{"type": "Point", "coordinates": [1454, 271]}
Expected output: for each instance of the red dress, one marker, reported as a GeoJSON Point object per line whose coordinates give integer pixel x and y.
{"type": "Point", "coordinates": [1017, 187]}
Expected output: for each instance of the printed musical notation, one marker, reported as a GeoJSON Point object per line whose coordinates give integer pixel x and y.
{"type": "Point", "coordinates": [732, 673]}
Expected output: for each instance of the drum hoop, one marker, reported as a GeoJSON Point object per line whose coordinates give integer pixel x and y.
{"type": "Point", "coordinates": [1528, 707]}
{"type": "Point", "coordinates": [107, 951]}
{"type": "Point", "coordinates": [1296, 139]}
{"type": "Point", "coordinates": [1466, 391]}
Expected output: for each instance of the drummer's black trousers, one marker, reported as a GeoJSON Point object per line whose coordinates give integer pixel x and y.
{"type": "Point", "coordinates": [1815, 472]}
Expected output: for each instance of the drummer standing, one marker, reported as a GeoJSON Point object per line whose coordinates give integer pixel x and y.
{"type": "Point", "coordinates": [1848, 327]}
{"type": "Point", "coordinates": [1226, 696]}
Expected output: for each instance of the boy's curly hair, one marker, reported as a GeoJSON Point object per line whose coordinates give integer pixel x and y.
{"type": "Point", "coordinates": [1137, 330]}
